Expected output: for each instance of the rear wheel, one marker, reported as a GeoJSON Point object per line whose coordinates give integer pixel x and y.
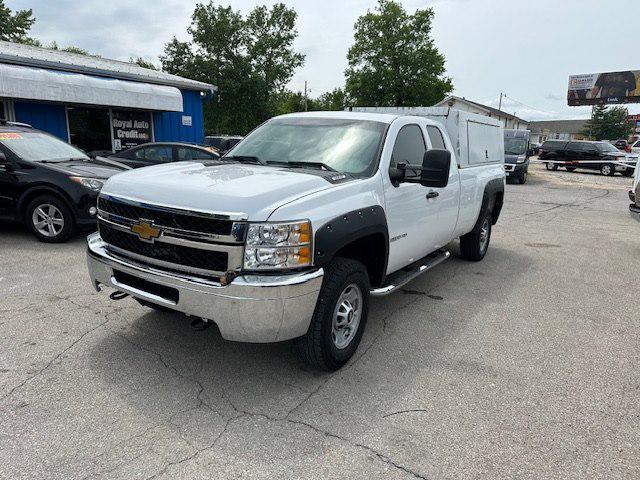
{"type": "Point", "coordinates": [339, 318]}
{"type": "Point", "coordinates": [607, 169]}
{"type": "Point", "coordinates": [474, 245]}
{"type": "Point", "coordinates": [49, 219]}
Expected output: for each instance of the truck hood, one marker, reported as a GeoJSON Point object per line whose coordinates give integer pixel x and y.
{"type": "Point", "coordinates": [251, 191]}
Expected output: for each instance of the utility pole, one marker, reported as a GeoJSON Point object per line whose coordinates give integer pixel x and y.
{"type": "Point", "coordinates": [500, 102]}
{"type": "Point", "coordinates": [305, 95]}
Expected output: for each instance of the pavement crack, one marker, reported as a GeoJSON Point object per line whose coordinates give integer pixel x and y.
{"type": "Point", "coordinates": [412, 410]}
{"type": "Point", "coordinates": [55, 358]}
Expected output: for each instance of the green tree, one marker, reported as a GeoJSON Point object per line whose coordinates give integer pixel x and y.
{"type": "Point", "coordinates": [71, 49]}
{"type": "Point", "coordinates": [608, 124]}
{"type": "Point", "coordinates": [14, 27]}
{"type": "Point", "coordinates": [394, 61]}
{"type": "Point", "coordinates": [333, 100]}
{"type": "Point", "coordinates": [143, 63]}
{"type": "Point", "coordinates": [249, 59]}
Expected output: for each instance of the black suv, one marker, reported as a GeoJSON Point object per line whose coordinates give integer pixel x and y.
{"type": "Point", "coordinates": [581, 154]}
{"type": "Point", "coordinates": [46, 183]}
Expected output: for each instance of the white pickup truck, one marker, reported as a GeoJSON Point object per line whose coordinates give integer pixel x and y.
{"type": "Point", "coordinates": [290, 233]}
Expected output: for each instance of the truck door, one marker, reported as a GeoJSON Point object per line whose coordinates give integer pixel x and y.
{"type": "Point", "coordinates": [410, 216]}
{"type": "Point", "coordinates": [446, 204]}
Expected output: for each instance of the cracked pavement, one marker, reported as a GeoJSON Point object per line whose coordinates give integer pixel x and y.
{"type": "Point", "coordinates": [524, 365]}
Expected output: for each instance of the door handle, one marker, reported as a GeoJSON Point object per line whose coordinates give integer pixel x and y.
{"type": "Point", "coordinates": [432, 194]}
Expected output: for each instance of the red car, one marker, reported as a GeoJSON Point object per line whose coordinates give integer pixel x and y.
{"type": "Point", "coordinates": [622, 145]}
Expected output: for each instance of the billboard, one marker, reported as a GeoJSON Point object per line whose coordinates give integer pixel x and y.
{"type": "Point", "coordinates": [604, 88]}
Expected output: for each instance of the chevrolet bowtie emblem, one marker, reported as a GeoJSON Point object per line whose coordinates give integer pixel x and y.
{"type": "Point", "coordinates": [145, 230]}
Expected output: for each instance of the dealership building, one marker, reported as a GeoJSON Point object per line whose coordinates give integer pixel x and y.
{"type": "Point", "coordinates": [97, 104]}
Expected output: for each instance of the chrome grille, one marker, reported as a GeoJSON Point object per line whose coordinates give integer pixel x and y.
{"type": "Point", "coordinates": [183, 241]}
{"type": "Point", "coordinates": [166, 217]}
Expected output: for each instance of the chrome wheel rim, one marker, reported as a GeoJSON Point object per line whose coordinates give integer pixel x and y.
{"type": "Point", "coordinates": [346, 316]}
{"type": "Point", "coordinates": [484, 235]}
{"type": "Point", "coordinates": [606, 169]}
{"type": "Point", "coordinates": [48, 220]}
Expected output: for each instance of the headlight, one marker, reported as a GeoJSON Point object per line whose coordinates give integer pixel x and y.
{"type": "Point", "coordinates": [91, 183]}
{"type": "Point", "coordinates": [521, 159]}
{"type": "Point", "coordinates": [278, 246]}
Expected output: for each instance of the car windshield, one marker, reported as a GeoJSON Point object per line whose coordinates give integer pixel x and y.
{"type": "Point", "coordinates": [515, 146]}
{"type": "Point", "coordinates": [344, 145]}
{"type": "Point", "coordinates": [607, 147]}
{"type": "Point", "coordinates": [39, 147]}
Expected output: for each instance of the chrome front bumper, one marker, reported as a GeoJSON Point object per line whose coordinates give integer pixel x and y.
{"type": "Point", "coordinates": [252, 308]}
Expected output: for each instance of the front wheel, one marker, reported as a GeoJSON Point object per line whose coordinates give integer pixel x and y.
{"type": "Point", "coordinates": [607, 169]}
{"type": "Point", "coordinates": [49, 219]}
{"type": "Point", "coordinates": [628, 173]}
{"type": "Point", "coordinates": [570, 169]}
{"type": "Point", "coordinates": [339, 318]}
{"type": "Point", "coordinates": [551, 166]}
{"type": "Point", "coordinates": [474, 245]}
{"type": "Point", "coordinates": [523, 178]}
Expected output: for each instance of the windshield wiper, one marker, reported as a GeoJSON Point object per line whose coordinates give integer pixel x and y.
{"type": "Point", "coordinates": [296, 164]}
{"type": "Point", "coordinates": [243, 159]}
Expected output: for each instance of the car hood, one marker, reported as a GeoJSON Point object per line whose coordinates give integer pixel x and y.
{"type": "Point", "coordinates": [92, 169]}
{"type": "Point", "coordinates": [511, 158]}
{"type": "Point", "coordinates": [251, 191]}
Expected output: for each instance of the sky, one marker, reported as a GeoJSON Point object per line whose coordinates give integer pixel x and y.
{"type": "Point", "coordinates": [523, 48]}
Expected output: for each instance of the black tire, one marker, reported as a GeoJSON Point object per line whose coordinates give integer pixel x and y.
{"type": "Point", "coordinates": [522, 179]}
{"type": "Point", "coordinates": [474, 245]}
{"type": "Point", "coordinates": [608, 169]}
{"type": "Point", "coordinates": [628, 173]}
{"type": "Point", "coordinates": [318, 348]}
{"type": "Point", "coordinates": [60, 212]}
{"type": "Point", "coordinates": [551, 166]}
{"type": "Point", "coordinates": [570, 169]}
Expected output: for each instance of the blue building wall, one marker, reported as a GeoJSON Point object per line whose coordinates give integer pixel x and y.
{"type": "Point", "coordinates": [168, 127]}
{"type": "Point", "coordinates": [50, 117]}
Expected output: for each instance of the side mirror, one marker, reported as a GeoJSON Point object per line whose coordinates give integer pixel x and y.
{"type": "Point", "coordinates": [436, 164]}
{"type": "Point", "coordinates": [3, 158]}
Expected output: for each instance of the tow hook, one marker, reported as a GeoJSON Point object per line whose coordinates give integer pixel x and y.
{"type": "Point", "coordinates": [200, 324]}
{"type": "Point", "coordinates": [118, 295]}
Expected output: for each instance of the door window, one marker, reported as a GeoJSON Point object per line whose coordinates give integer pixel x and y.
{"type": "Point", "coordinates": [158, 154]}
{"type": "Point", "coordinates": [435, 135]}
{"type": "Point", "coordinates": [186, 153]}
{"type": "Point", "coordinates": [409, 147]}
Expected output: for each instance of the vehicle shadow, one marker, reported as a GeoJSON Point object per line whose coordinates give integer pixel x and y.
{"type": "Point", "coordinates": [148, 357]}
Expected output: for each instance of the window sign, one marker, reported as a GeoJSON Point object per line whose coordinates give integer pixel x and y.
{"type": "Point", "coordinates": [130, 129]}
{"type": "Point", "coordinates": [186, 120]}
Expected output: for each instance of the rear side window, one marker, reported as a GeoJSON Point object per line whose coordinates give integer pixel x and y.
{"type": "Point", "coordinates": [437, 141]}
{"type": "Point", "coordinates": [409, 147]}
{"type": "Point", "coordinates": [160, 154]}
{"type": "Point", "coordinates": [551, 146]}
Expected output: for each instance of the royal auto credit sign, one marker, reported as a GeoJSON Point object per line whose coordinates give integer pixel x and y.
{"type": "Point", "coordinates": [130, 129]}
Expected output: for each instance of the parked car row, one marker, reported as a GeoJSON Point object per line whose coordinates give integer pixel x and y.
{"type": "Point", "coordinates": [601, 156]}
{"type": "Point", "coordinates": [52, 187]}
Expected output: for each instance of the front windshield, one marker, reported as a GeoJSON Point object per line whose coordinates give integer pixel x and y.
{"type": "Point", "coordinates": [607, 147]}
{"type": "Point", "coordinates": [515, 146]}
{"type": "Point", "coordinates": [345, 145]}
{"type": "Point", "coordinates": [39, 147]}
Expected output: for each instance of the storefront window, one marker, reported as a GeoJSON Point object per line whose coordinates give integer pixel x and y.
{"type": "Point", "coordinates": [89, 129]}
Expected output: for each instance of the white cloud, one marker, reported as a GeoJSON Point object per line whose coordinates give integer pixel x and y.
{"type": "Point", "coordinates": [524, 49]}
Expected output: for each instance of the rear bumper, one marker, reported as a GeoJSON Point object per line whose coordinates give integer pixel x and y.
{"type": "Point", "coordinates": [252, 308]}
{"type": "Point", "coordinates": [634, 210]}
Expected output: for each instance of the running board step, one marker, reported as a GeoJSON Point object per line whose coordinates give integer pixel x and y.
{"type": "Point", "coordinates": [399, 279]}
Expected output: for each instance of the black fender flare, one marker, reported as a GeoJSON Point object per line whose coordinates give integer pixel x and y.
{"type": "Point", "coordinates": [492, 199]}
{"type": "Point", "coordinates": [348, 228]}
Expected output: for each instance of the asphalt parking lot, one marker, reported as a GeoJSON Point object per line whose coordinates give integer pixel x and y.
{"type": "Point", "coordinates": [524, 365]}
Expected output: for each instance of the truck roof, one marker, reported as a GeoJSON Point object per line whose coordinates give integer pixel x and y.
{"type": "Point", "coordinates": [374, 117]}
